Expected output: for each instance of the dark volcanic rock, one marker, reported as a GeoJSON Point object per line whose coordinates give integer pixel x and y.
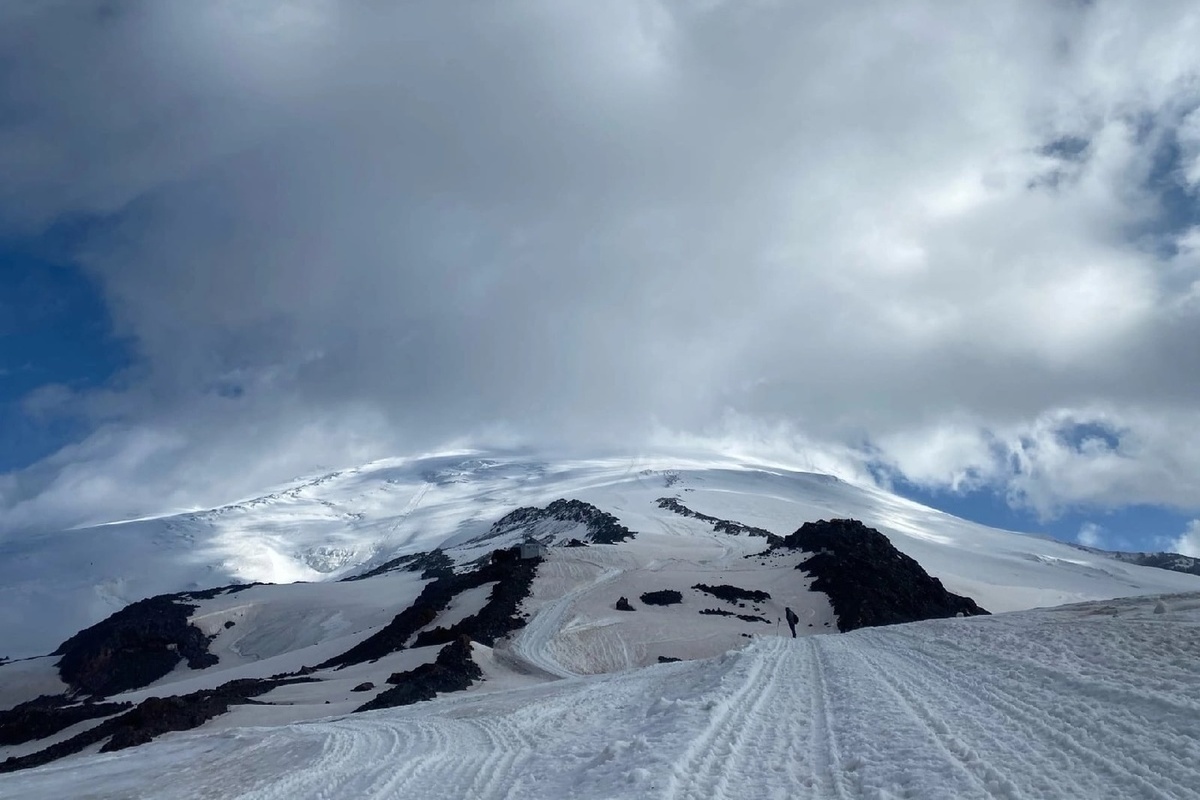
{"type": "Point", "coordinates": [216, 591]}
{"type": "Point", "coordinates": [498, 617]}
{"type": "Point", "coordinates": [47, 715]}
{"type": "Point", "coordinates": [452, 671]}
{"type": "Point", "coordinates": [720, 612]}
{"type": "Point", "coordinates": [152, 718]}
{"type": "Point", "coordinates": [668, 659]}
{"type": "Point", "coordinates": [732, 594]}
{"type": "Point", "coordinates": [729, 526]}
{"type": "Point", "coordinates": [603, 528]}
{"type": "Point", "coordinates": [365, 686]}
{"type": "Point", "coordinates": [665, 597]}
{"type": "Point", "coordinates": [1169, 561]}
{"type": "Point", "coordinates": [134, 647]}
{"type": "Point", "coordinates": [431, 564]}
{"type": "Point", "coordinates": [623, 604]}
{"type": "Point", "coordinates": [155, 716]}
{"type": "Point", "coordinates": [869, 581]}
{"type": "Point", "coordinates": [513, 577]}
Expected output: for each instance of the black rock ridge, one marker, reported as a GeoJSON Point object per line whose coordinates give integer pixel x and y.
{"type": "Point", "coordinates": [452, 671]}
{"type": "Point", "coordinates": [730, 526]}
{"type": "Point", "coordinates": [513, 577]}
{"type": "Point", "coordinates": [869, 581]}
{"type": "Point", "coordinates": [602, 527]}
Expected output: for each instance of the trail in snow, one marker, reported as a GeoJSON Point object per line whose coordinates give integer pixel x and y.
{"type": "Point", "coordinates": [535, 641]}
{"type": "Point", "coordinates": [741, 737]}
{"type": "Point", "coordinates": [414, 503]}
{"type": "Point", "coordinates": [1065, 703]}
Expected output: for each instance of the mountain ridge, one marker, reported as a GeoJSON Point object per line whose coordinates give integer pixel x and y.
{"type": "Point", "coordinates": [68, 581]}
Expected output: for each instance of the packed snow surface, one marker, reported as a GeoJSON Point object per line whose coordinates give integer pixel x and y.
{"type": "Point", "coordinates": [1095, 700]}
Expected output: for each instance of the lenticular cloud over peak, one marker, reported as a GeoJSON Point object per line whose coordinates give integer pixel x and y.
{"type": "Point", "coordinates": [954, 248]}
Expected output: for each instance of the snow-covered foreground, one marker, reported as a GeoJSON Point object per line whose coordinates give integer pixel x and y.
{"type": "Point", "coordinates": [1095, 700]}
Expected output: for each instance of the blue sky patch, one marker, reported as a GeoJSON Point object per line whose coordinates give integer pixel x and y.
{"type": "Point", "coordinates": [54, 329]}
{"type": "Point", "coordinates": [1135, 528]}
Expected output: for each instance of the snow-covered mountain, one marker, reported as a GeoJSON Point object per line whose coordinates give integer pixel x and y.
{"type": "Point", "coordinates": [1171, 561]}
{"type": "Point", "coordinates": [328, 527]}
{"type": "Point", "coordinates": [412, 584]}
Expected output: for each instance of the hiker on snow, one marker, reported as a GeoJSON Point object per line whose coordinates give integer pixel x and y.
{"type": "Point", "coordinates": [792, 619]}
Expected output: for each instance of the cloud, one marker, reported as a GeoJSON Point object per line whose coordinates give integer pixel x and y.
{"type": "Point", "coordinates": [1089, 457]}
{"type": "Point", "coordinates": [1189, 543]}
{"type": "Point", "coordinates": [1090, 535]}
{"type": "Point", "coordinates": [589, 223]}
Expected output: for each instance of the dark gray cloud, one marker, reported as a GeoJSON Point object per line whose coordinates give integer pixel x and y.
{"type": "Point", "coordinates": [334, 230]}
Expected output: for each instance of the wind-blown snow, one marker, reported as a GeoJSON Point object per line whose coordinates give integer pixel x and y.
{"type": "Point", "coordinates": [1095, 700]}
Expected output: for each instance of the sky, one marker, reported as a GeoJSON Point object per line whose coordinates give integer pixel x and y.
{"type": "Point", "coordinates": [951, 250]}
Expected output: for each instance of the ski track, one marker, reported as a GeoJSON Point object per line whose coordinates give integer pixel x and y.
{"type": "Point", "coordinates": [824, 777]}
{"type": "Point", "coordinates": [986, 779]}
{"type": "Point", "coordinates": [1043, 716]}
{"type": "Point", "coordinates": [413, 504]}
{"type": "Point", "coordinates": [533, 643]}
{"type": "Point", "coordinates": [1081, 717]}
{"type": "Point", "coordinates": [720, 749]}
{"type": "Point", "coordinates": [993, 709]}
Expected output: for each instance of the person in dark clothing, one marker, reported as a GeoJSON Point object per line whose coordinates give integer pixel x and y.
{"type": "Point", "coordinates": [792, 619]}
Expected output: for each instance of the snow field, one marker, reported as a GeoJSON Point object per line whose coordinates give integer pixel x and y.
{"type": "Point", "coordinates": [1099, 700]}
{"type": "Point", "coordinates": [574, 628]}
{"type": "Point", "coordinates": [1017, 706]}
{"type": "Point", "coordinates": [323, 528]}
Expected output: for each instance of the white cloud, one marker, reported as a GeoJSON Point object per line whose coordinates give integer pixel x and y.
{"type": "Point", "coordinates": [1092, 457]}
{"type": "Point", "coordinates": [593, 222]}
{"type": "Point", "coordinates": [1090, 535]}
{"type": "Point", "coordinates": [1189, 543]}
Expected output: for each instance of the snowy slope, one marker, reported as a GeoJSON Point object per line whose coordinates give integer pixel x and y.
{"type": "Point", "coordinates": [573, 627]}
{"type": "Point", "coordinates": [1094, 700]}
{"type": "Point", "coordinates": [324, 528]}
{"type": "Point", "coordinates": [698, 522]}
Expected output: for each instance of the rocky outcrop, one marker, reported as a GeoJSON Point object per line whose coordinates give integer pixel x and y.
{"type": "Point", "coordinates": [47, 715]}
{"type": "Point", "coordinates": [663, 597]}
{"type": "Point", "coordinates": [216, 591]}
{"type": "Point", "coordinates": [729, 526]}
{"type": "Point", "coordinates": [869, 581]}
{"type": "Point", "coordinates": [452, 671]}
{"type": "Point", "coordinates": [134, 647]}
{"type": "Point", "coordinates": [623, 604]}
{"type": "Point", "coordinates": [431, 564]}
{"type": "Point", "coordinates": [513, 577]}
{"type": "Point", "coordinates": [155, 716]}
{"type": "Point", "coordinates": [602, 527]}
{"type": "Point", "coordinates": [720, 612]}
{"type": "Point", "coordinates": [152, 718]}
{"type": "Point", "coordinates": [733, 594]}
{"type": "Point", "coordinates": [1168, 561]}
{"type": "Point", "coordinates": [499, 615]}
